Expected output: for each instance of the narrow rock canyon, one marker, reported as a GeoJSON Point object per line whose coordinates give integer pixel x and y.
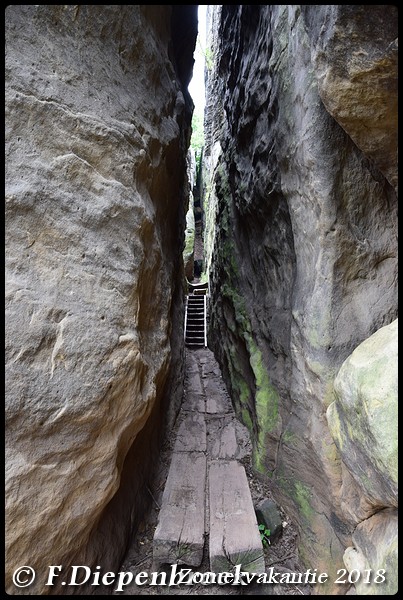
{"type": "Point", "coordinates": [297, 206]}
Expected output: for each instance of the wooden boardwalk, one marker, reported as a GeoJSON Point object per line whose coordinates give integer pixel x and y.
{"type": "Point", "coordinates": [207, 493]}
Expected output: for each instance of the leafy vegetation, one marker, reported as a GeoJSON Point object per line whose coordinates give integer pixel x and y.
{"type": "Point", "coordinates": [207, 53]}
{"type": "Point", "coordinates": [264, 535]}
{"type": "Point", "coordinates": [197, 139]}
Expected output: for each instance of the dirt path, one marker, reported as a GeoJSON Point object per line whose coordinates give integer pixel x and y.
{"type": "Point", "coordinates": [280, 557]}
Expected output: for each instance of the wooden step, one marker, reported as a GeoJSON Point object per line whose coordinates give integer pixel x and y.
{"type": "Point", "coordinates": [234, 534]}
{"type": "Point", "coordinates": [198, 287]}
{"type": "Point", "coordinates": [195, 340]}
{"type": "Point", "coordinates": [179, 536]}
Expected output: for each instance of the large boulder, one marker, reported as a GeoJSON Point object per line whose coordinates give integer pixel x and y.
{"type": "Point", "coordinates": [363, 418]}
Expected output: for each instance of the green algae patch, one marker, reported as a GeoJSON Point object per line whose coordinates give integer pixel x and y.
{"type": "Point", "coordinates": [288, 437]}
{"type": "Point", "coordinates": [299, 493]}
{"type": "Point", "coordinates": [256, 400]}
{"type": "Point", "coordinates": [266, 398]}
{"type": "Point", "coordinates": [266, 405]}
{"type": "Point", "coordinates": [246, 419]}
{"type": "Point", "coordinates": [303, 499]}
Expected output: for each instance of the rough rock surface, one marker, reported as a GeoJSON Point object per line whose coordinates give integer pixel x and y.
{"type": "Point", "coordinates": [97, 129]}
{"type": "Point", "coordinates": [301, 247]}
{"type": "Point", "coordinates": [268, 514]}
{"type": "Point", "coordinates": [374, 555]}
{"type": "Point", "coordinates": [354, 52]}
{"type": "Point", "coordinates": [363, 422]}
{"type": "Point", "coordinates": [189, 250]}
{"type": "Point", "coordinates": [363, 418]}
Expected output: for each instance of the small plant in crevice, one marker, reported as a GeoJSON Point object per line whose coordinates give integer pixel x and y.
{"type": "Point", "coordinates": [197, 138]}
{"type": "Point", "coordinates": [264, 535]}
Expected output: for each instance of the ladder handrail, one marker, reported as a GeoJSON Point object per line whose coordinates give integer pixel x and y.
{"type": "Point", "coordinates": [205, 321]}
{"type": "Point", "coordinates": [186, 317]}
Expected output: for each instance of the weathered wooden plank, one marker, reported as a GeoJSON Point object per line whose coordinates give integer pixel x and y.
{"type": "Point", "coordinates": [234, 534]}
{"type": "Point", "coordinates": [179, 536]}
{"type": "Point", "coordinates": [222, 441]}
{"type": "Point", "coordinates": [194, 402]}
{"type": "Point", "coordinates": [191, 435]}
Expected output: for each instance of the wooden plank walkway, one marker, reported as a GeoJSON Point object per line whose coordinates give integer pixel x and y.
{"type": "Point", "coordinates": [207, 492]}
{"type": "Point", "coordinates": [234, 534]}
{"type": "Point", "coordinates": [179, 536]}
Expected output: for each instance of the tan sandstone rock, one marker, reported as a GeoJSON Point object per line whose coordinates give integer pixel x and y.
{"type": "Point", "coordinates": [96, 141]}
{"type": "Point", "coordinates": [374, 555]}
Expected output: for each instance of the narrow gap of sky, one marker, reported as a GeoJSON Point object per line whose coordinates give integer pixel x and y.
{"type": "Point", "coordinates": [196, 86]}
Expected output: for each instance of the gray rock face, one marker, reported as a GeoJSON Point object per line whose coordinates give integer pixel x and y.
{"type": "Point", "coordinates": [268, 514]}
{"type": "Point", "coordinates": [301, 246]}
{"type": "Point", "coordinates": [189, 250]}
{"type": "Point", "coordinates": [354, 52]}
{"type": "Point", "coordinates": [97, 128]}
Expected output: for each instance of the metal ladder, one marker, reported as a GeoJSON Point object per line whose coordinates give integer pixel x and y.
{"type": "Point", "coordinates": [196, 318]}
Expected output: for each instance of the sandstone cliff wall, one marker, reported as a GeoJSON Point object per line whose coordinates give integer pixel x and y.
{"type": "Point", "coordinates": [97, 130]}
{"type": "Point", "coordinates": [299, 184]}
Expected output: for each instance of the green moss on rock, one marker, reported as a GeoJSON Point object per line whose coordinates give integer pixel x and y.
{"type": "Point", "coordinates": [298, 492]}
{"type": "Point", "coordinates": [363, 419]}
{"type": "Point", "coordinates": [246, 419]}
{"type": "Point", "coordinates": [303, 499]}
{"type": "Point", "coordinates": [266, 404]}
{"type": "Point", "coordinates": [257, 400]}
{"type": "Point", "coordinates": [288, 437]}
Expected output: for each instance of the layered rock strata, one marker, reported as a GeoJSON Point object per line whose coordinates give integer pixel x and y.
{"type": "Point", "coordinates": [97, 130]}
